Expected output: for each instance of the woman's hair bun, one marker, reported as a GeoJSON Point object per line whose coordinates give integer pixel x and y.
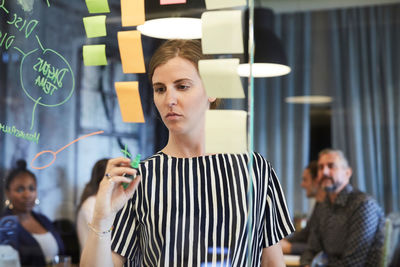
{"type": "Point", "coordinates": [21, 164]}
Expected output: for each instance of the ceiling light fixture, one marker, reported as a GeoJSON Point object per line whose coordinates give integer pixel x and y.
{"type": "Point", "coordinates": [269, 55]}
{"type": "Point", "coordinates": [315, 99]}
{"type": "Point", "coordinates": [172, 21]}
{"type": "Point", "coordinates": [172, 28]}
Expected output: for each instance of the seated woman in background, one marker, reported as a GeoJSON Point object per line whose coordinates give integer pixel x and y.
{"type": "Point", "coordinates": [37, 240]}
{"type": "Point", "coordinates": [88, 199]}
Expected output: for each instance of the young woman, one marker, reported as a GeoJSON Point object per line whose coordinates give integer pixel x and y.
{"type": "Point", "coordinates": [88, 200]}
{"type": "Point", "coordinates": [37, 240]}
{"type": "Point", "coordinates": [186, 208]}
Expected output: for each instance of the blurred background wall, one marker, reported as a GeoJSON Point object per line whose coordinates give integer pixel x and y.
{"type": "Point", "coordinates": [345, 50]}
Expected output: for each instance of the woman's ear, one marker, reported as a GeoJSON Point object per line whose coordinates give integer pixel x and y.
{"type": "Point", "coordinates": [212, 99]}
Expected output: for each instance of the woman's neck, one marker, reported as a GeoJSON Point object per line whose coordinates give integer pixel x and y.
{"type": "Point", "coordinates": [23, 216]}
{"type": "Point", "coordinates": [184, 146]}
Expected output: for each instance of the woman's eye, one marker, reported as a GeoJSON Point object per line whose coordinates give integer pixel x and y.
{"type": "Point", "coordinates": [183, 87]}
{"type": "Point", "coordinates": [159, 89]}
{"type": "Point", "coordinates": [20, 189]}
{"type": "Point", "coordinates": [32, 188]}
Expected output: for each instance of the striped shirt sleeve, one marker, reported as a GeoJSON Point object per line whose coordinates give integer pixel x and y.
{"type": "Point", "coordinates": [277, 222]}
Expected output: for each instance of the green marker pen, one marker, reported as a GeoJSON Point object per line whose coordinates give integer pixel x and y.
{"type": "Point", "coordinates": [135, 165]}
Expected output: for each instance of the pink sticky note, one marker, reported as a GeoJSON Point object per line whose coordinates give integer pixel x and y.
{"type": "Point", "coordinates": [172, 2]}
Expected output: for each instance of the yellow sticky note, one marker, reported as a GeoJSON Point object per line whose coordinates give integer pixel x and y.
{"type": "Point", "coordinates": [129, 101]}
{"type": "Point", "coordinates": [94, 55]}
{"type": "Point", "coordinates": [171, 2]}
{"type": "Point", "coordinates": [131, 52]}
{"type": "Point", "coordinates": [97, 6]}
{"type": "Point", "coordinates": [132, 12]}
{"type": "Point", "coordinates": [226, 131]}
{"type": "Point", "coordinates": [95, 26]}
{"type": "Point", "coordinates": [222, 32]}
{"type": "Point", "coordinates": [220, 77]}
{"type": "Point", "coordinates": [219, 4]}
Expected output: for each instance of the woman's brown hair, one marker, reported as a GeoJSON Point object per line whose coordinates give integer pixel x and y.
{"type": "Point", "coordinates": [187, 49]}
{"type": "Point", "coordinates": [97, 175]}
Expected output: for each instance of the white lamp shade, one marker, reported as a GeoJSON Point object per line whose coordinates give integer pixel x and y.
{"type": "Point", "coordinates": [263, 70]}
{"type": "Point", "coordinates": [172, 28]}
{"type": "Point", "coordinates": [309, 99]}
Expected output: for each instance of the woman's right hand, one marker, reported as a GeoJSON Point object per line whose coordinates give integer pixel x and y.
{"type": "Point", "coordinates": [112, 196]}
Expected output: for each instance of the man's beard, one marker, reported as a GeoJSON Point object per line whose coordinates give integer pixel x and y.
{"type": "Point", "coordinates": [330, 188]}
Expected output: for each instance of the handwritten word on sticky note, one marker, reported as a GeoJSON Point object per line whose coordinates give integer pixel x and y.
{"type": "Point", "coordinates": [129, 101]}
{"type": "Point", "coordinates": [218, 4]}
{"type": "Point", "coordinates": [95, 26]}
{"type": "Point", "coordinates": [131, 52]}
{"type": "Point", "coordinates": [171, 2]}
{"type": "Point", "coordinates": [220, 78]}
{"type": "Point", "coordinates": [97, 6]}
{"type": "Point", "coordinates": [132, 12]}
{"type": "Point", "coordinates": [226, 131]}
{"type": "Point", "coordinates": [222, 32]}
{"type": "Point", "coordinates": [94, 55]}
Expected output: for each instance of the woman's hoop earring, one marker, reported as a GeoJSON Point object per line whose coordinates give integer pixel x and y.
{"type": "Point", "coordinates": [8, 204]}
{"type": "Point", "coordinates": [37, 201]}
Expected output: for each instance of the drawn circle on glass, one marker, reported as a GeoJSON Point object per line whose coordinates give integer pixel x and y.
{"type": "Point", "coordinates": [46, 77]}
{"type": "Point", "coordinates": [54, 154]}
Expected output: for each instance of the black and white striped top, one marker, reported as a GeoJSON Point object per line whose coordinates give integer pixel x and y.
{"type": "Point", "coordinates": [194, 212]}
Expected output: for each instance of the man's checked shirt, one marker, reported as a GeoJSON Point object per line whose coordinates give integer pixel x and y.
{"type": "Point", "coordinates": [349, 231]}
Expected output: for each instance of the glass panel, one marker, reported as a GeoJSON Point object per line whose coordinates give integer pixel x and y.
{"type": "Point", "coordinates": [93, 113]}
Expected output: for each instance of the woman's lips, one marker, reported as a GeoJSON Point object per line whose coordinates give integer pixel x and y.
{"type": "Point", "coordinates": [173, 115]}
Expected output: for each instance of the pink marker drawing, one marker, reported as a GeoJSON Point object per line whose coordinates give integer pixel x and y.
{"type": "Point", "coordinates": [55, 153]}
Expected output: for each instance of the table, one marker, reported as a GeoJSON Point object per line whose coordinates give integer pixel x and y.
{"type": "Point", "coordinates": [291, 260]}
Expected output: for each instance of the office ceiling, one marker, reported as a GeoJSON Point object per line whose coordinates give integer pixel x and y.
{"type": "Point", "coordinates": [288, 6]}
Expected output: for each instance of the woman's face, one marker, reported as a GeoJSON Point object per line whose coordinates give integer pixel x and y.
{"type": "Point", "coordinates": [22, 193]}
{"type": "Point", "coordinates": [179, 96]}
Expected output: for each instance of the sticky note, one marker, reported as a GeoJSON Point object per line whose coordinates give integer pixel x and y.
{"type": "Point", "coordinates": [218, 4]}
{"type": "Point", "coordinates": [97, 6]}
{"type": "Point", "coordinates": [171, 2]}
{"type": "Point", "coordinates": [132, 12]}
{"type": "Point", "coordinates": [131, 52]}
{"type": "Point", "coordinates": [220, 78]}
{"type": "Point", "coordinates": [129, 101]}
{"type": "Point", "coordinates": [94, 55]}
{"type": "Point", "coordinates": [222, 32]}
{"type": "Point", "coordinates": [95, 26]}
{"type": "Point", "coordinates": [226, 131]}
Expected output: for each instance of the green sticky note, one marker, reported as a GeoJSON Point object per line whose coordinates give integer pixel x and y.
{"type": "Point", "coordinates": [94, 55]}
{"type": "Point", "coordinates": [97, 6]}
{"type": "Point", "coordinates": [95, 26]}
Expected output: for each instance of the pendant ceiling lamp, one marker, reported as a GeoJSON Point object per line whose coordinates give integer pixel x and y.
{"type": "Point", "coordinates": [173, 21]}
{"type": "Point", "coordinates": [309, 99]}
{"type": "Point", "coordinates": [184, 28]}
{"type": "Point", "coordinates": [269, 55]}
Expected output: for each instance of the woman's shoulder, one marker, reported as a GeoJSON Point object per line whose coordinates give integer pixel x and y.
{"type": "Point", "coordinates": [5, 212]}
{"type": "Point", "coordinates": [7, 219]}
{"type": "Point", "coordinates": [161, 156]}
{"type": "Point", "coordinates": [153, 157]}
{"type": "Point", "coordinates": [259, 156]}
